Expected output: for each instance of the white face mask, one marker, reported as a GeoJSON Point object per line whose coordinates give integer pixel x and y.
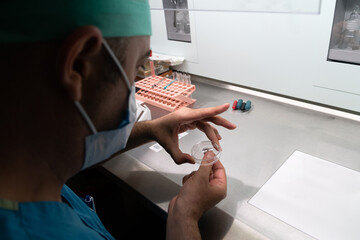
{"type": "Point", "coordinates": [102, 145]}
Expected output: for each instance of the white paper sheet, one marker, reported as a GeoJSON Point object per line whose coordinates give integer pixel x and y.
{"type": "Point", "coordinates": [315, 196]}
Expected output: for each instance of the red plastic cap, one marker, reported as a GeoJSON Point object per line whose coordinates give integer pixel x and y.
{"type": "Point", "coordinates": [150, 53]}
{"type": "Point", "coordinates": [234, 105]}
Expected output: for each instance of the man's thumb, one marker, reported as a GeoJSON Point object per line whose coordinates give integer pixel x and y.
{"type": "Point", "coordinates": [206, 164]}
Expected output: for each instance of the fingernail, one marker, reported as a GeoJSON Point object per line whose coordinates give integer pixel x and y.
{"type": "Point", "coordinates": [217, 146]}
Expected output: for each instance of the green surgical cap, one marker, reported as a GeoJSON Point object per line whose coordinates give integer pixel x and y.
{"type": "Point", "coordinates": [40, 20]}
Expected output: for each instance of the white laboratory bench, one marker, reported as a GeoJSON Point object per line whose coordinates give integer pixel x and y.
{"type": "Point", "coordinates": [264, 139]}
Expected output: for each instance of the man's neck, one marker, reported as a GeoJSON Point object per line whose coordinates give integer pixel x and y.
{"type": "Point", "coordinates": [23, 183]}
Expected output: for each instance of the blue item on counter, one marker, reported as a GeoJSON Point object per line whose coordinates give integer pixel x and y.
{"type": "Point", "coordinates": [247, 105]}
{"type": "Point", "coordinates": [239, 103]}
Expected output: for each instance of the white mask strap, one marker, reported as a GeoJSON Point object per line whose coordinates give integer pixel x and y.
{"type": "Point", "coordinates": [106, 45]}
{"type": "Point", "coordinates": [86, 117]}
{"type": "Point", "coordinates": [78, 105]}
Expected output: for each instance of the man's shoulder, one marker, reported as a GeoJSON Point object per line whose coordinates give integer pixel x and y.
{"type": "Point", "coordinates": [39, 220]}
{"type": "Point", "coordinates": [10, 227]}
{"type": "Point", "coordinates": [43, 220]}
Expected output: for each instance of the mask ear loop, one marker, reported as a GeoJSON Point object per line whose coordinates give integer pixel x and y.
{"type": "Point", "coordinates": [107, 47]}
{"type": "Point", "coordinates": [86, 117]}
{"type": "Point", "coordinates": [77, 103]}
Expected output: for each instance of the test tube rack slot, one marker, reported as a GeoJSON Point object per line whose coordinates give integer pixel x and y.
{"type": "Point", "coordinates": [175, 96]}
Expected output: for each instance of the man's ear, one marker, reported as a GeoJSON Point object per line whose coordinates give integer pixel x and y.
{"type": "Point", "coordinates": [73, 63]}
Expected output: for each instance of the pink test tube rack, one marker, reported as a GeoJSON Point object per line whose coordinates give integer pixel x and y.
{"type": "Point", "coordinates": [175, 96]}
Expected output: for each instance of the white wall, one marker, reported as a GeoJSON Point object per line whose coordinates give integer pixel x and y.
{"type": "Point", "coordinates": [277, 52]}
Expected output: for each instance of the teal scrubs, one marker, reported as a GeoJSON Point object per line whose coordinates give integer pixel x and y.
{"type": "Point", "coordinates": [70, 219]}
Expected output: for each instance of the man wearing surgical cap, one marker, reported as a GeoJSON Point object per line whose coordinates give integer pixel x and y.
{"type": "Point", "coordinates": [67, 103]}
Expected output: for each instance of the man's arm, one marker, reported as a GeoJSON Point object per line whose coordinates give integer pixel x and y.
{"type": "Point", "coordinates": [201, 190]}
{"type": "Point", "coordinates": [141, 133]}
{"type": "Point", "coordinates": [180, 227]}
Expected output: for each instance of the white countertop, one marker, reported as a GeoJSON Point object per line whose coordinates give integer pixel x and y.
{"type": "Point", "coordinates": [265, 137]}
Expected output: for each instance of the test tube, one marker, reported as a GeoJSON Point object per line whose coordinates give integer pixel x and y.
{"type": "Point", "coordinates": [187, 80]}
{"type": "Point", "coordinates": [181, 79]}
{"type": "Point", "coordinates": [176, 76]}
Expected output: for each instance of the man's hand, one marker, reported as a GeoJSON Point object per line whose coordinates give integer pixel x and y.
{"type": "Point", "coordinates": [201, 190]}
{"type": "Point", "coordinates": [165, 130]}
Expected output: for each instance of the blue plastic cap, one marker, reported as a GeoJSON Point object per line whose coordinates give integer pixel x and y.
{"type": "Point", "coordinates": [239, 103]}
{"type": "Point", "coordinates": [248, 105]}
